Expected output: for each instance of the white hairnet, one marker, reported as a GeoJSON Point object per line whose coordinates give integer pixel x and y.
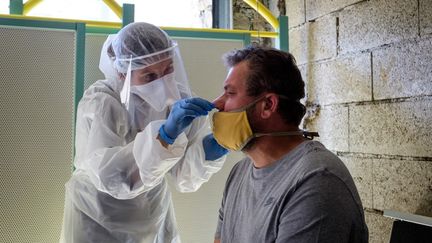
{"type": "Point", "coordinates": [146, 44]}
{"type": "Point", "coordinates": [106, 63]}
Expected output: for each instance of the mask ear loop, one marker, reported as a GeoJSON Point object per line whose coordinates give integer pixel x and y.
{"type": "Point", "coordinates": [125, 92]}
{"type": "Point", "coordinates": [305, 134]}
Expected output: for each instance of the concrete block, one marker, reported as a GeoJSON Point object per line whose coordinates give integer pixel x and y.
{"type": "Point", "coordinates": [295, 10]}
{"type": "Point", "coordinates": [399, 128]}
{"type": "Point", "coordinates": [347, 79]}
{"type": "Point", "coordinates": [332, 126]}
{"type": "Point", "coordinates": [315, 9]}
{"type": "Point", "coordinates": [374, 23]}
{"type": "Point", "coordinates": [361, 172]}
{"type": "Point", "coordinates": [380, 227]}
{"type": "Point", "coordinates": [297, 47]}
{"type": "Point", "coordinates": [303, 70]}
{"type": "Point", "coordinates": [402, 185]}
{"type": "Point", "coordinates": [425, 11]}
{"type": "Point", "coordinates": [403, 70]}
{"type": "Point", "coordinates": [314, 41]}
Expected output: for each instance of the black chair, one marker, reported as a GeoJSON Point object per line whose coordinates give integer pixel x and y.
{"type": "Point", "coordinates": [410, 228]}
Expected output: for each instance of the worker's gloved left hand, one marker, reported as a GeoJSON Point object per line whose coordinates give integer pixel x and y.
{"type": "Point", "coordinates": [181, 116]}
{"type": "Point", "coordinates": [212, 149]}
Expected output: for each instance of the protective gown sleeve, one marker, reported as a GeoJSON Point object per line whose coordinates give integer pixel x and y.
{"type": "Point", "coordinates": [193, 170]}
{"type": "Point", "coordinates": [184, 160]}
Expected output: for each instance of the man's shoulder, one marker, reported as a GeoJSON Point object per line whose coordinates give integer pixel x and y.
{"type": "Point", "coordinates": [316, 154]}
{"type": "Point", "coordinates": [317, 161]}
{"type": "Point", "coordinates": [312, 158]}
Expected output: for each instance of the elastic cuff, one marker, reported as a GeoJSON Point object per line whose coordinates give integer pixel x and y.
{"type": "Point", "coordinates": [165, 136]}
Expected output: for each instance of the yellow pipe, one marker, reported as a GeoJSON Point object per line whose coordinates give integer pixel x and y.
{"type": "Point", "coordinates": [29, 5]}
{"type": "Point", "coordinates": [90, 23]}
{"type": "Point", "coordinates": [263, 11]}
{"type": "Point", "coordinates": [253, 33]}
{"type": "Point", "coordinates": [264, 34]}
{"type": "Point", "coordinates": [113, 5]}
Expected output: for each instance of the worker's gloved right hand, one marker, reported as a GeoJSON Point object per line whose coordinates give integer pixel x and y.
{"type": "Point", "coordinates": [182, 114]}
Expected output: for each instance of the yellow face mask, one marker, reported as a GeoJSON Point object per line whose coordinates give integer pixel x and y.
{"type": "Point", "coordinates": [232, 129]}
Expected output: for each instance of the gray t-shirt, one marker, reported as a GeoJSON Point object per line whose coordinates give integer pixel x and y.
{"type": "Point", "coordinates": [306, 196]}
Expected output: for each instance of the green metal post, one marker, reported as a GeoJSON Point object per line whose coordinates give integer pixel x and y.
{"type": "Point", "coordinates": [246, 39]}
{"type": "Point", "coordinates": [128, 14]}
{"type": "Point", "coordinates": [282, 43]}
{"type": "Point", "coordinates": [16, 7]}
{"type": "Point", "coordinates": [79, 71]}
{"type": "Point", "coordinates": [79, 64]}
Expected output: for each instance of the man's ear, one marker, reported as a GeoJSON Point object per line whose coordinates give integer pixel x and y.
{"type": "Point", "coordinates": [271, 103]}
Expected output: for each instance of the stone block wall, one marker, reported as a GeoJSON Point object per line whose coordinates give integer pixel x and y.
{"type": "Point", "coordinates": [368, 66]}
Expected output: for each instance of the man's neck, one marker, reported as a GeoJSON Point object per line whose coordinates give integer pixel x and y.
{"type": "Point", "coordinates": [269, 149]}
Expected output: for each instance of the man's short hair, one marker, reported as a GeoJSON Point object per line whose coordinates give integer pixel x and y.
{"type": "Point", "coordinates": [272, 70]}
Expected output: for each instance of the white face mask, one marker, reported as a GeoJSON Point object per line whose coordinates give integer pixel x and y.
{"type": "Point", "coordinates": [160, 93]}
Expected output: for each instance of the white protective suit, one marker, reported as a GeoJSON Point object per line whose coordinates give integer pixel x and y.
{"type": "Point", "coordinates": [119, 191]}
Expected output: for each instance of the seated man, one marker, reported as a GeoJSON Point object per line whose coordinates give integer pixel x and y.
{"type": "Point", "coordinates": [288, 188]}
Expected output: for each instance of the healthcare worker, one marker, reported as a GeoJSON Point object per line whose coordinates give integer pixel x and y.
{"type": "Point", "coordinates": [134, 130]}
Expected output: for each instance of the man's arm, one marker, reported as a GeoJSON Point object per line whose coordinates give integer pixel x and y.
{"type": "Point", "coordinates": [217, 241]}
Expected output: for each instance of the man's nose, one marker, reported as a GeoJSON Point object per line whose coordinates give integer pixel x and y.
{"type": "Point", "coordinates": [219, 102]}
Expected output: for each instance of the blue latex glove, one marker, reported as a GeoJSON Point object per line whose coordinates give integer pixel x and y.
{"type": "Point", "coordinates": [212, 149]}
{"type": "Point", "coordinates": [182, 114]}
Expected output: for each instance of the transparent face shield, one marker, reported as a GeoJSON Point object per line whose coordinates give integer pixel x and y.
{"type": "Point", "coordinates": [174, 83]}
{"type": "Point", "coordinates": [126, 59]}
